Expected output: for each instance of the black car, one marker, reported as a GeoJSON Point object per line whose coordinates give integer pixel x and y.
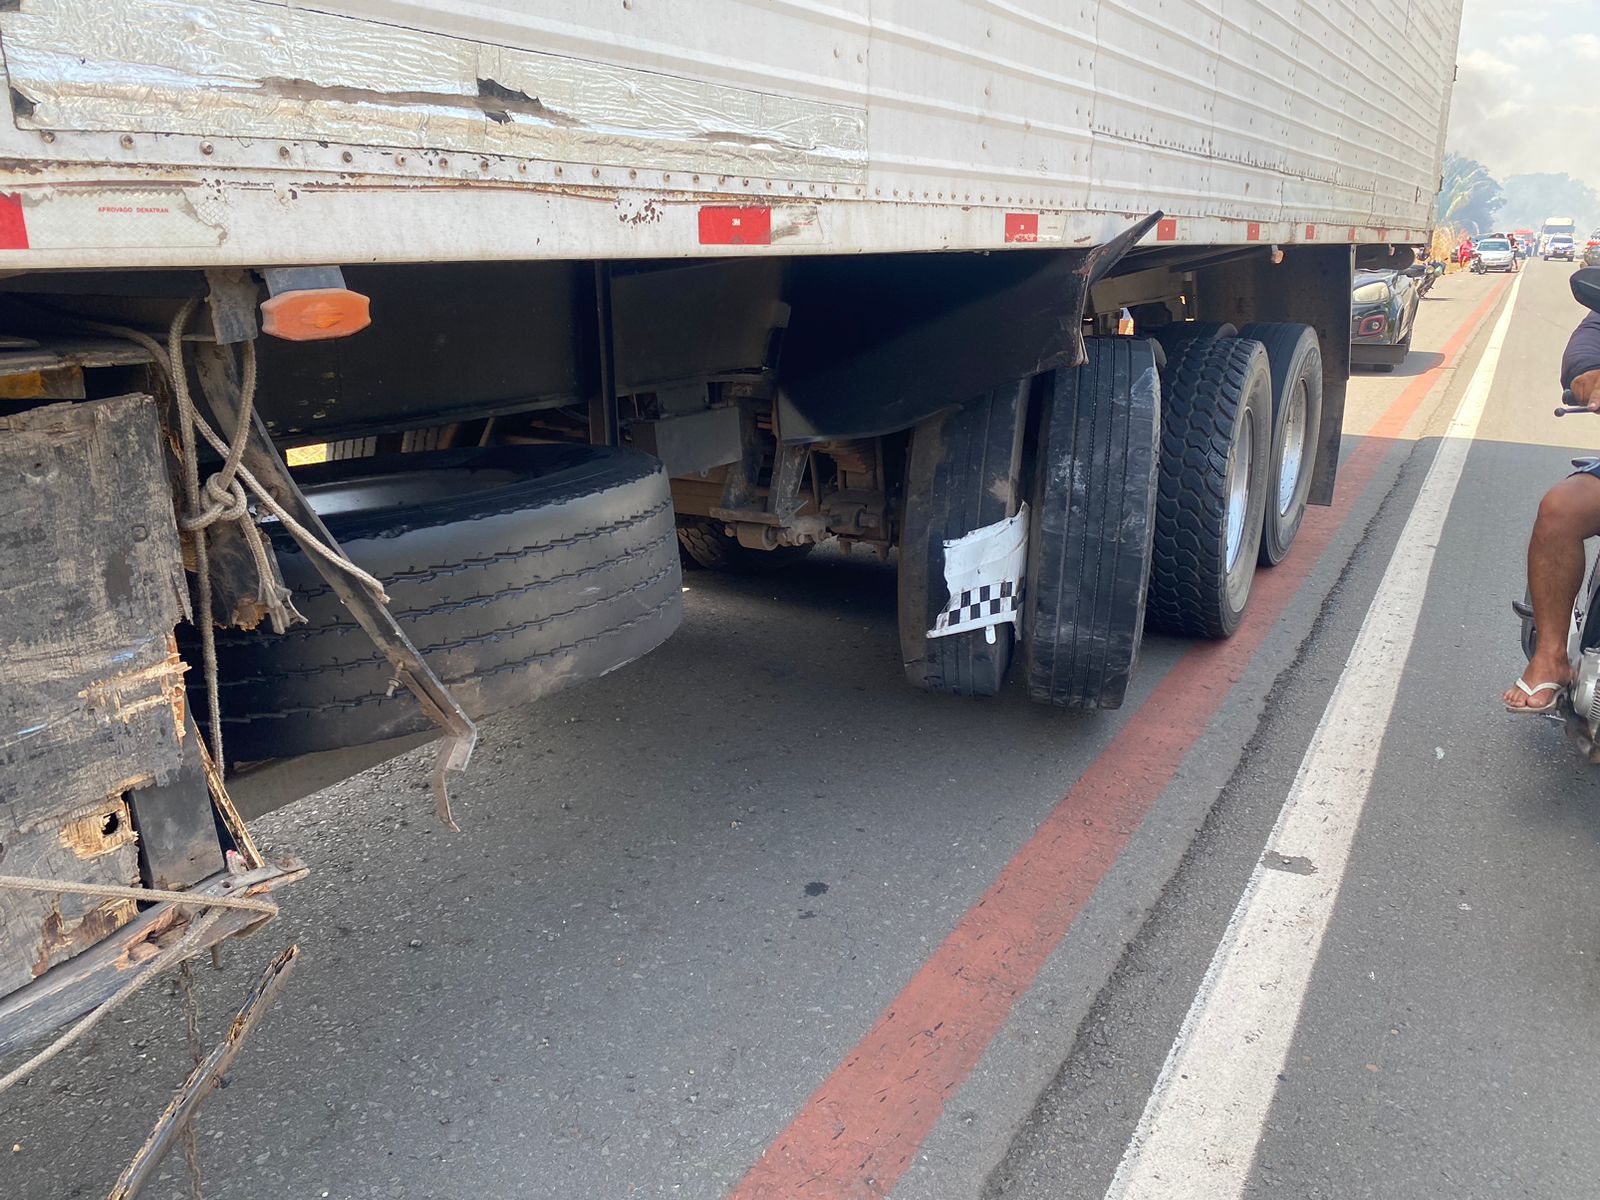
{"type": "Point", "coordinates": [1383, 307]}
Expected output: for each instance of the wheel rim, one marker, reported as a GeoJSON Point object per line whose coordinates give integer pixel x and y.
{"type": "Point", "coordinates": [1294, 449]}
{"type": "Point", "coordinates": [1240, 459]}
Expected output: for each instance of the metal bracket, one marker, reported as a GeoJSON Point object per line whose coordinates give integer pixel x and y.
{"type": "Point", "coordinates": [231, 297]}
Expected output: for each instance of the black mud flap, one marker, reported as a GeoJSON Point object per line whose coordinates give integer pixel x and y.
{"type": "Point", "coordinates": [878, 343]}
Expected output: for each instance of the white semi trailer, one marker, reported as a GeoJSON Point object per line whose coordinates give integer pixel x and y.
{"type": "Point", "coordinates": [1051, 298]}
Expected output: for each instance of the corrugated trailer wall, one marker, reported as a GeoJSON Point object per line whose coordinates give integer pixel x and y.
{"type": "Point", "coordinates": [248, 131]}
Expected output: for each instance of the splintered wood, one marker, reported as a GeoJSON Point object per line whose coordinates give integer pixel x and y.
{"type": "Point", "coordinates": [91, 684]}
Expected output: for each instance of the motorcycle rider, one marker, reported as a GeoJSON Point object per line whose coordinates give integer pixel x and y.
{"type": "Point", "coordinates": [1569, 513]}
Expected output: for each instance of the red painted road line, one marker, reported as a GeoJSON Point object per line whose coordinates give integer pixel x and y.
{"type": "Point", "coordinates": [1398, 414]}
{"type": "Point", "coordinates": [859, 1131]}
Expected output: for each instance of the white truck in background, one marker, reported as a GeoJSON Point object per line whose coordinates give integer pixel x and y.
{"type": "Point", "coordinates": [1051, 298]}
{"type": "Point", "coordinates": [1554, 226]}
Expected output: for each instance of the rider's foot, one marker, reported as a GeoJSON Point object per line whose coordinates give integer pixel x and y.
{"type": "Point", "coordinates": [1558, 672]}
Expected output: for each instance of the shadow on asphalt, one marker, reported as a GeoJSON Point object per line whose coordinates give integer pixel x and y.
{"type": "Point", "coordinates": [1419, 361]}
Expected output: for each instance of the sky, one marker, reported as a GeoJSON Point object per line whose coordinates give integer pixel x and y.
{"type": "Point", "coordinates": [1527, 98]}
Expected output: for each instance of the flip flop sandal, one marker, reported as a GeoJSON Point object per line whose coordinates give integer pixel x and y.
{"type": "Point", "coordinates": [1559, 691]}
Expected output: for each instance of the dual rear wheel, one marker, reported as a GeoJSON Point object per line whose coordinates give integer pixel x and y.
{"type": "Point", "coordinates": [1150, 499]}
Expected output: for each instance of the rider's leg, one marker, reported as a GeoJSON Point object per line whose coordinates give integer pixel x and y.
{"type": "Point", "coordinates": [1569, 513]}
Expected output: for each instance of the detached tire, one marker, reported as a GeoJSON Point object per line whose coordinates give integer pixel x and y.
{"type": "Point", "coordinates": [1092, 525]}
{"type": "Point", "coordinates": [517, 571]}
{"type": "Point", "coordinates": [1295, 357]}
{"type": "Point", "coordinates": [1216, 431]}
{"type": "Point", "coordinates": [962, 474]}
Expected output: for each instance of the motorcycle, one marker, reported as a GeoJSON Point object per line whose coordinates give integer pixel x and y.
{"type": "Point", "coordinates": [1580, 711]}
{"type": "Point", "coordinates": [1425, 273]}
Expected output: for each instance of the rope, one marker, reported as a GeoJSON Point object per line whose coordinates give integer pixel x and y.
{"type": "Point", "coordinates": [202, 554]}
{"type": "Point", "coordinates": [225, 498]}
{"type": "Point", "coordinates": [116, 891]}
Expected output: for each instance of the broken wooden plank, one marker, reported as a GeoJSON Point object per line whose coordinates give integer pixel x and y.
{"type": "Point", "coordinates": [205, 1078]}
{"type": "Point", "coordinates": [91, 683]}
{"type": "Point", "coordinates": [71, 353]}
{"type": "Point", "coordinates": [68, 991]}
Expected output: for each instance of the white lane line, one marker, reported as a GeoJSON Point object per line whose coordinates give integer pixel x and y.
{"type": "Point", "coordinates": [1197, 1137]}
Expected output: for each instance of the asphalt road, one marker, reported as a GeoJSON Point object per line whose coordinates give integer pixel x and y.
{"type": "Point", "coordinates": [752, 917]}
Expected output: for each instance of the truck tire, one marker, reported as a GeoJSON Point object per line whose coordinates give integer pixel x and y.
{"type": "Point", "coordinates": [1295, 356]}
{"type": "Point", "coordinates": [1172, 336]}
{"type": "Point", "coordinates": [1216, 428]}
{"type": "Point", "coordinates": [963, 473]}
{"type": "Point", "coordinates": [1092, 524]}
{"type": "Point", "coordinates": [705, 543]}
{"type": "Point", "coordinates": [516, 571]}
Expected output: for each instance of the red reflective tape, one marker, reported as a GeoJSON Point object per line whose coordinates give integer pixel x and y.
{"type": "Point", "coordinates": [1167, 229]}
{"type": "Point", "coordinates": [735, 225]}
{"type": "Point", "coordinates": [1352, 234]}
{"type": "Point", "coordinates": [13, 226]}
{"type": "Point", "coordinates": [1022, 227]}
{"type": "Point", "coordinates": [861, 1129]}
{"type": "Point", "coordinates": [1252, 231]}
{"type": "Point", "coordinates": [1311, 233]}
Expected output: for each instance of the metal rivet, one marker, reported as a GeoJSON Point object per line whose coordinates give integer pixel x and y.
{"type": "Point", "coordinates": [558, 170]}
{"type": "Point", "coordinates": [127, 141]}
{"type": "Point", "coordinates": [206, 147]}
{"type": "Point", "coordinates": [444, 164]}
{"type": "Point", "coordinates": [400, 159]}
{"type": "Point", "coordinates": [47, 137]}
{"type": "Point", "coordinates": [283, 152]}
{"type": "Point", "coordinates": [348, 157]}
{"type": "Point", "coordinates": [632, 174]}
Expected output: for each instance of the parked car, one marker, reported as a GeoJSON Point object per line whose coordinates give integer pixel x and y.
{"type": "Point", "coordinates": [1383, 308]}
{"type": "Point", "coordinates": [1560, 246]}
{"type": "Point", "coordinates": [1591, 250]}
{"type": "Point", "coordinates": [1495, 254]}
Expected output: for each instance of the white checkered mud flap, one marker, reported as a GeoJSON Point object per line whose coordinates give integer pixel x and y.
{"type": "Point", "coordinates": [983, 570]}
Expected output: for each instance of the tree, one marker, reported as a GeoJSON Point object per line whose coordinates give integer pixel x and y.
{"type": "Point", "coordinates": [1470, 195]}
{"type": "Point", "coordinates": [1532, 198]}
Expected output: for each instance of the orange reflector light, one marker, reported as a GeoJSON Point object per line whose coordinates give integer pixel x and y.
{"type": "Point", "coordinates": [315, 314]}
